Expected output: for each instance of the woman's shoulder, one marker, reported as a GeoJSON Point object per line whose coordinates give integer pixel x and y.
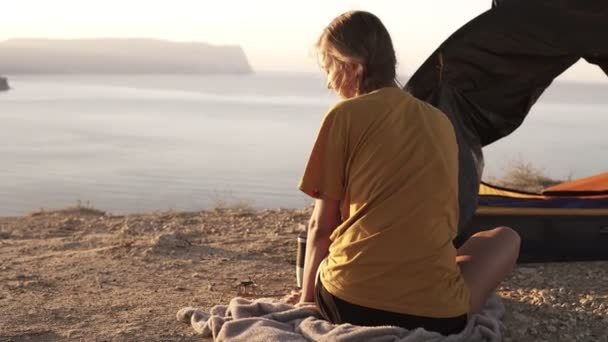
{"type": "Point", "coordinates": [374, 100]}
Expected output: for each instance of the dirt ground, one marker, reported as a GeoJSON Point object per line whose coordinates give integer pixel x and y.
{"type": "Point", "coordinates": [82, 275]}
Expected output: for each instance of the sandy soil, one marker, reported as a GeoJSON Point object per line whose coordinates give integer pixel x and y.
{"type": "Point", "coordinates": [78, 274]}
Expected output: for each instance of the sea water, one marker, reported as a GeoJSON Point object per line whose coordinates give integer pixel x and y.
{"type": "Point", "coordinates": [157, 142]}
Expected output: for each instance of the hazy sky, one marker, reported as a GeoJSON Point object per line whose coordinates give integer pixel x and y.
{"type": "Point", "coordinates": [276, 35]}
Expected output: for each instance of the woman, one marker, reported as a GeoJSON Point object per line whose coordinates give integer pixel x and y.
{"type": "Point", "coordinates": [384, 172]}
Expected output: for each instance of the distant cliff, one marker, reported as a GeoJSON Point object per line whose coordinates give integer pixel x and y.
{"type": "Point", "coordinates": [119, 56]}
{"type": "Point", "coordinates": [3, 84]}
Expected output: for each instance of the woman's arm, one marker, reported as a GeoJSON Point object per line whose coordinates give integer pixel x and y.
{"type": "Point", "coordinates": [325, 218]}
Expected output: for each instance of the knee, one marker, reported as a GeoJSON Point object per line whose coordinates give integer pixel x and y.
{"type": "Point", "coordinates": [510, 238]}
{"type": "Point", "coordinates": [510, 235]}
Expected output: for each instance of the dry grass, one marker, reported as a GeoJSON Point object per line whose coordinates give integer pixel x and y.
{"type": "Point", "coordinates": [79, 208]}
{"type": "Point", "coordinates": [227, 200]}
{"type": "Point", "coordinates": [524, 176]}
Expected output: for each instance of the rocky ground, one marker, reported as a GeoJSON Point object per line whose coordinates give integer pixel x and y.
{"type": "Point", "coordinates": [79, 274]}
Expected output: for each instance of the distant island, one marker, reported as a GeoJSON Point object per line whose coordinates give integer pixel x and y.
{"type": "Point", "coordinates": [4, 84]}
{"type": "Point", "coordinates": [119, 56]}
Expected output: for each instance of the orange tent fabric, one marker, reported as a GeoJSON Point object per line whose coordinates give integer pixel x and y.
{"type": "Point", "coordinates": [590, 187]}
{"type": "Point", "coordinates": [596, 183]}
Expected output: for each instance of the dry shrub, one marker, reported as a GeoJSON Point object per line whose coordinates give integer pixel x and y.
{"type": "Point", "coordinates": [226, 200]}
{"type": "Point", "coordinates": [79, 209]}
{"type": "Point", "coordinates": [524, 176]}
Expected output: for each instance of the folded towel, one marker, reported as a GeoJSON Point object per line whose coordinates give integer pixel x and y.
{"type": "Point", "coordinates": [270, 320]}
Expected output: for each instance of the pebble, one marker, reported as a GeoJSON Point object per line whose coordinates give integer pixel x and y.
{"type": "Point", "coordinates": [73, 333]}
{"type": "Point", "coordinates": [527, 270]}
{"type": "Point", "coordinates": [520, 317]}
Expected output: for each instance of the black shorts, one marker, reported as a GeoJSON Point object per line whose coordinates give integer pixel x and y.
{"type": "Point", "coordinates": [339, 311]}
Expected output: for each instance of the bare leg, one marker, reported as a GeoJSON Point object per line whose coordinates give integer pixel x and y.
{"type": "Point", "coordinates": [485, 259]}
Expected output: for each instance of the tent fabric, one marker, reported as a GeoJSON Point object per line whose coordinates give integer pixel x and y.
{"type": "Point", "coordinates": [486, 189]}
{"type": "Point", "coordinates": [553, 227]}
{"type": "Point", "coordinates": [550, 202]}
{"type": "Point", "coordinates": [485, 78]}
{"type": "Point", "coordinates": [543, 212]}
{"type": "Point", "coordinates": [497, 66]}
{"type": "Point", "coordinates": [493, 196]}
{"type": "Point", "coordinates": [597, 184]}
{"type": "Point", "coordinates": [548, 234]}
{"type": "Point", "coordinates": [489, 73]}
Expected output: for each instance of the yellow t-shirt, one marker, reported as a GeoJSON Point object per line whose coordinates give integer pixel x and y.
{"type": "Point", "coordinates": [392, 161]}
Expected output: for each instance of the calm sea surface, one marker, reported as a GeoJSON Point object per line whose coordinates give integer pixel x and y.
{"type": "Point", "coordinates": [157, 142]}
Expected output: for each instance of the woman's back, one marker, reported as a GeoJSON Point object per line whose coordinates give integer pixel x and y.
{"type": "Point", "coordinates": [392, 160]}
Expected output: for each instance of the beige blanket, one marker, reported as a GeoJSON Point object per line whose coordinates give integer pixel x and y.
{"type": "Point", "coordinates": [270, 320]}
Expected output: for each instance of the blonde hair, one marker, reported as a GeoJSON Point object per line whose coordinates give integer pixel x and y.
{"type": "Point", "coordinates": [359, 38]}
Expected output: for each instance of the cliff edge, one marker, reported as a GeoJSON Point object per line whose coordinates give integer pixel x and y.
{"type": "Point", "coordinates": [79, 56]}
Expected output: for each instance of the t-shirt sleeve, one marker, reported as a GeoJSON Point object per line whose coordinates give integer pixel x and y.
{"type": "Point", "coordinates": [324, 176]}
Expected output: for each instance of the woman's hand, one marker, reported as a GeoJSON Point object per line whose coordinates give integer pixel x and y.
{"type": "Point", "coordinates": [301, 304]}
{"type": "Point", "coordinates": [292, 298]}
{"type": "Point", "coordinates": [295, 298]}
